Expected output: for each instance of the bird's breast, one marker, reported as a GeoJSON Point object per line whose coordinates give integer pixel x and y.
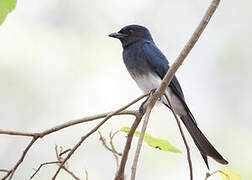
{"type": "Point", "coordinates": [146, 81]}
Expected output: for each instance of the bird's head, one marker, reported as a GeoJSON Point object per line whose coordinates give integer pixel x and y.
{"type": "Point", "coordinates": [132, 33]}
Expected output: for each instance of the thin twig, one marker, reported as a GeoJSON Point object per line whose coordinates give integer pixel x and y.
{"type": "Point", "coordinates": [183, 137]}
{"type": "Point", "coordinates": [64, 152]}
{"type": "Point", "coordinates": [65, 125]}
{"type": "Point", "coordinates": [94, 130]}
{"type": "Point", "coordinates": [141, 137]}
{"type": "Point", "coordinates": [86, 172]}
{"type": "Point", "coordinates": [12, 171]}
{"type": "Point", "coordinates": [4, 170]}
{"type": "Point", "coordinates": [41, 165]}
{"type": "Point", "coordinates": [70, 172]}
{"type": "Point", "coordinates": [115, 154]}
{"type": "Point", "coordinates": [120, 174]}
{"type": "Point", "coordinates": [58, 155]}
{"type": "Point", "coordinates": [111, 136]}
{"type": "Point", "coordinates": [60, 158]}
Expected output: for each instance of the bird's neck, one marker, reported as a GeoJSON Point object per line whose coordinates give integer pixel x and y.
{"type": "Point", "coordinates": [133, 42]}
{"type": "Point", "coordinates": [129, 43]}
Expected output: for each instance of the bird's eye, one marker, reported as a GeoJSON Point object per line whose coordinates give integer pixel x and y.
{"type": "Point", "coordinates": [131, 31]}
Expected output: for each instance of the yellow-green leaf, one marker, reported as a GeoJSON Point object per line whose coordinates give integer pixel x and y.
{"type": "Point", "coordinates": [161, 144]}
{"type": "Point", "coordinates": [6, 6]}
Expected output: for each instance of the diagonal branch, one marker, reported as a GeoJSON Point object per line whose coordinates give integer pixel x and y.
{"type": "Point", "coordinates": [169, 75]}
{"type": "Point", "coordinates": [183, 137]}
{"type": "Point", "coordinates": [12, 171]}
{"type": "Point", "coordinates": [120, 173]}
{"type": "Point", "coordinates": [141, 137]}
{"type": "Point", "coordinates": [41, 165]}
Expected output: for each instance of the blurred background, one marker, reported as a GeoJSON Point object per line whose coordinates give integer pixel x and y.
{"type": "Point", "coordinates": [57, 64]}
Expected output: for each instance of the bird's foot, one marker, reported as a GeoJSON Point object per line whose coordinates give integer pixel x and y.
{"type": "Point", "coordinates": [141, 108]}
{"type": "Point", "coordinates": [153, 91]}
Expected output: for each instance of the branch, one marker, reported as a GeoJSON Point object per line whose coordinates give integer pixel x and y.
{"type": "Point", "coordinates": [141, 137]}
{"type": "Point", "coordinates": [115, 154]}
{"type": "Point", "coordinates": [12, 171]}
{"type": "Point", "coordinates": [60, 158]}
{"type": "Point", "coordinates": [120, 173]}
{"type": "Point", "coordinates": [41, 165]}
{"type": "Point", "coordinates": [183, 137]}
{"type": "Point", "coordinates": [94, 130]}
{"type": "Point", "coordinates": [4, 170]}
{"type": "Point", "coordinates": [185, 51]}
{"type": "Point", "coordinates": [36, 136]}
{"type": "Point", "coordinates": [58, 155]}
{"type": "Point", "coordinates": [169, 75]}
{"type": "Point", "coordinates": [67, 124]}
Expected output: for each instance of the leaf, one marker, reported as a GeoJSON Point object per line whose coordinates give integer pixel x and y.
{"type": "Point", "coordinates": [161, 144]}
{"type": "Point", "coordinates": [229, 174]}
{"type": "Point", "coordinates": [6, 6]}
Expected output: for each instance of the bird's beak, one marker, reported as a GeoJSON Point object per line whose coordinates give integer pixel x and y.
{"type": "Point", "coordinates": [117, 35]}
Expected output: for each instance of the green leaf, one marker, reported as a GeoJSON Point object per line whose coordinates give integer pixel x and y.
{"type": "Point", "coordinates": [161, 144]}
{"type": "Point", "coordinates": [6, 6]}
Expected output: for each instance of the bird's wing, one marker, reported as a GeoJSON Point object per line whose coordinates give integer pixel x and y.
{"type": "Point", "coordinates": [160, 64]}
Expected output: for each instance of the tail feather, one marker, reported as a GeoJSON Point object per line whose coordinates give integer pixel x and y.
{"type": "Point", "coordinates": [204, 146]}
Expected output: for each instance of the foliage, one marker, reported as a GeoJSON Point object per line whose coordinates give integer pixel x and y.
{"type": "Point", "coordinates": [161, 144]}
{"type": "Point", "coordinates": [6, 6]}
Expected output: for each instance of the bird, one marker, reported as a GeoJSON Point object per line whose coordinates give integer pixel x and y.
{"type": "Point", "coordinates": [147, 65]}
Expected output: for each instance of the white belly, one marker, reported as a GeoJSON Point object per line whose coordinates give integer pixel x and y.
{"type": "Point", "coordinates": [147, 82]}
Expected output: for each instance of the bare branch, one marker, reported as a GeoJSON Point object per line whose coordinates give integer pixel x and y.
{"type": "Point", "coordinates": [4, 170]}
{"type": "Point", "coordinates": [86, 172]}
{"type": "Point", "coordinates": [41, 165]}
{"type": "Point", "coordinates": [65, 125]}
{"type": "Point", "coordinates": [64, 152]}
{"type": "Point", "coordinates": [60, 158]}
{"type": "Point", "coordinates": [115, 154]}
{"type": "Point", "coordinates": [58, 155]}
{"type": "Point", "coordinates": [183, 137]}
{"type": "Point", "coordinates": [141, 137]}
{"type": "Point", "coordinates": [94, 130]}
{"type": "Point", "coordinates": [12, 171]}
{"type": "Point", "coordinates": [186, 50]}
{"type": "Point", "coordinates": [120, 174]}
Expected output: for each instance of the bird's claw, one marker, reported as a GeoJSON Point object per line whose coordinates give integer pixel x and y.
{"type": "Point", "coordinates": [141, 108]}
{"type": "Point", "coordinates": [153, 91]}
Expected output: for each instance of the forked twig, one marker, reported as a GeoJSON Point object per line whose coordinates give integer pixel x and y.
{"type": "Point", "coordinates": [94, 130]}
